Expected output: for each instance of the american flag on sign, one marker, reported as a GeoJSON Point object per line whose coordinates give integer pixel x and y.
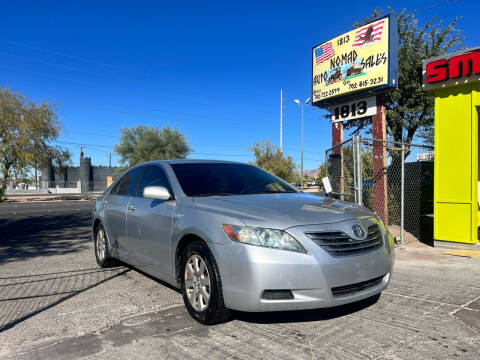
{"type": "Point", "coordinates": [369, 34]}
{"type": "Point", "coordinates": [324, 53]}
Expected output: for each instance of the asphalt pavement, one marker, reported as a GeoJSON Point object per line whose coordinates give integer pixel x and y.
{"type": "Point", "coordinates": [56, 303]}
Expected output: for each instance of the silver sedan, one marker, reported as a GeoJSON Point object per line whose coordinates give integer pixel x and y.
{"type": "Point", "coordinates": [232, 236]}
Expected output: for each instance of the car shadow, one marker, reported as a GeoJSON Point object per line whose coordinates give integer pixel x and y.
{"type": "Point", "coordinates": [306, 315]}
{"type": "Point", "coordinates": [44, 235]}
{"type": "Point", "coordinates": [157, 280]}
{"type": "Point", "coordinates": [21, 301]}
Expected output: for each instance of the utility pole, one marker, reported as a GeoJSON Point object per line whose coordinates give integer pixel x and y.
{"type": "Point", "coordinates": [109, 159]}
{"type": "Point", "coordinates": [301, 161]}
{"type": "Point", "coordinates": [281, 121]}
{"type": "Point", "coordinates": [299, 103]}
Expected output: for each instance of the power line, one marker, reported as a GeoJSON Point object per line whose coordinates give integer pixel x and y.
{"type": "Point", "coordinates": [193, 153]}
{"type": "Point", "coordinates": [90, 133]}
{"type": "Point", "coordinates": [438, 4]}
{"type": "Point", "coordinates": [191, 91]}
{"type": "Point", "coordinates": [194, 144]}
{"type": "Point", "coordinates": [82, 144]}
{"type": "Point", "coordinates": [77, 58]}
{"type": "Point", "coordinates": [70, 68]}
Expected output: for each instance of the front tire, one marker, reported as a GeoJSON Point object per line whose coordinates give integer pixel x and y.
{"type": "Point", "coordinates": [202, 285]}
{"type": "Point", "coordinates": [102, 248]}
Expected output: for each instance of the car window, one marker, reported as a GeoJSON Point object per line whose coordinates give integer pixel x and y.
{"type": "Point", "coordinates": [128, 182]}
{"type": "Point", "coordinates": [207, 179]}
{"type": "Point", "coordinates": [154, 175]}
{"type": "Point", "coordinates": [114, 189]}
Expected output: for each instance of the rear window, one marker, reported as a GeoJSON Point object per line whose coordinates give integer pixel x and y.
{"type": "Point", "coordinates": [208, 179]}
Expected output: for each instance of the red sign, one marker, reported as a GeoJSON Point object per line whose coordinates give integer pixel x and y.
{"type": "Point", "coordinates": [454, 67]}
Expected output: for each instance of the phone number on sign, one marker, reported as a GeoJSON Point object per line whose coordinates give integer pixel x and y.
{"type": "Point", "coordinates": [363, 83]}
{"type": "Point", "coordinates": [327, 93]}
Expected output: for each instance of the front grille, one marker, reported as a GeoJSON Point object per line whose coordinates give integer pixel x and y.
{"type": "Point", "coordinates": [340, 244]}
{"type": "Point", "coordinates": [354, 288]}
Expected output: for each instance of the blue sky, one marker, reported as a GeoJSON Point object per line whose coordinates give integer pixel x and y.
{"type": "Point", "coordinates": [213, 69]}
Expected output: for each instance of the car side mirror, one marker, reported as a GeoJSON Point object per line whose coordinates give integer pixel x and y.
{"type": "Point", "coordinates": [156, 193]}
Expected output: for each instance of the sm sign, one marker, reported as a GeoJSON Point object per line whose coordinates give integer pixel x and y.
{"type": "Point", "coordinates": [454, 69]}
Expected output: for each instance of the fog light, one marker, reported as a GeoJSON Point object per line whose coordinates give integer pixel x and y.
{"type": "Point", "coordinates": [277, 295]}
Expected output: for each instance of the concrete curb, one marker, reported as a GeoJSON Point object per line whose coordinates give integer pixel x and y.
{"type": "Point", "coordinates": [438, 244]}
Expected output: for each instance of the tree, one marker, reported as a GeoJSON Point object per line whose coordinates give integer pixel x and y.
{"type": "Point", "coordinates": [409, 108]}
{"type": "Point", "coordinates": [270, 158]}
{"type": "Point", "coordinates": [26, 133]}
{"type": "Point", "coordinates": [144, 143]}
{"type": "Point", "coordinates": [322, 172]}
{"type": "Point", "coordinates": [428, 135]}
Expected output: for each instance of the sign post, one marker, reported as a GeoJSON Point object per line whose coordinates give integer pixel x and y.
{"type": "Point", "coordinates": [337, 138]}
{"type": "Point", "coordinates": [379, 129]}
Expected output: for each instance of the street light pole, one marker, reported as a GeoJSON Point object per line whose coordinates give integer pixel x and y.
{"type": "Point", "coordinates": [281, 120]}
{"type": "Point", "coordinates": [301, 156]}
{"type": "Point", "coordinates": [298, 102]}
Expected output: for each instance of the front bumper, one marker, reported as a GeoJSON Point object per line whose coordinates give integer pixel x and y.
{"type": "Point", "coordinates": [247, 271]}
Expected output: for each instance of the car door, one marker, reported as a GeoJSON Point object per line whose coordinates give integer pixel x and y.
{"type": "Point", "coordinates": [149, 224]}
{"type": "Point", "coordinates": [115, 212]}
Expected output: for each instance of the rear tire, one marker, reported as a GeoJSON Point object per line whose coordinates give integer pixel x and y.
{"type": "Point", "coordinates": [102, 248]}
{"type": "Point", "coordinates": [200, 280]}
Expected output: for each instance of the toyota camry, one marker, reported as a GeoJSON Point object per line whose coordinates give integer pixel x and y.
{"type": "Point", "coordinates": [232, 236]}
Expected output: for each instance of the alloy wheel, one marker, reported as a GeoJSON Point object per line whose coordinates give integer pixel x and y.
{"type": "Point", "coordinates": [197, 283]}
{"type": "Point", "coordinates": [101, 245]}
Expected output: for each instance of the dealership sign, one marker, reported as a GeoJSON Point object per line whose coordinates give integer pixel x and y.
{"type": "Point", "coordinates": [357, 63]}
{"type": "Point", "coordinates": [452, 69]}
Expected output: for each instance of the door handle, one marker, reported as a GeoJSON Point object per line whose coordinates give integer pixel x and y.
{"type": "Point", "coordinates": [131, 208]}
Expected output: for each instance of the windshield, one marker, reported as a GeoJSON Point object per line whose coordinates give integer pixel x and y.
{"type": "Point", "coordinates": [209, 179]}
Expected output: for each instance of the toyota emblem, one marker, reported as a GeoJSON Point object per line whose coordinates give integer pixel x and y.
{"type": "Point", "coordinates": [358, 231]}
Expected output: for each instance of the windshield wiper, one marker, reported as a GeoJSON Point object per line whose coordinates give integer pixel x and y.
{"type": "Point", "coordinates": [213, 194]}
{"type": "Point", "coordinates": [273, 192]}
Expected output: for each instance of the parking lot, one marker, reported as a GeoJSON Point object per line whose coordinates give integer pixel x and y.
{"type": "Point", "coordinates": [55, 302]}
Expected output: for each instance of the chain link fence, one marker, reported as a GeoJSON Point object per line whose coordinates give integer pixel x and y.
{"type": "Point", "coordinates": [395, 180]}
{"type": "Point", "coordinates": [340, 171]}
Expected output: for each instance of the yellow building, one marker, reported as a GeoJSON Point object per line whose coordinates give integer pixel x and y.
{"type": "Point", "coordinates": [454, 80]}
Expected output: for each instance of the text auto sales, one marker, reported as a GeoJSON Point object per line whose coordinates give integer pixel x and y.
{"type": "Point", "coordinates": [350, 57]}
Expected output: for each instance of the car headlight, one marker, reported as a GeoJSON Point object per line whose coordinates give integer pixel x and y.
{"type": "Point", "coordinates": [390, 237]}
{"type": "Point", "coordinates": [391, 240]}
{"type": "Point", "coordinates": [382, 225]}
{"type": "Point", "coordinates": [275, 239]}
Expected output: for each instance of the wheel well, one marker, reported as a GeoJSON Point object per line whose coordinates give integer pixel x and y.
{"type": "Point", "coordinates": [182, 245]}
{"type": "Point", "coordinates": [95, 226]}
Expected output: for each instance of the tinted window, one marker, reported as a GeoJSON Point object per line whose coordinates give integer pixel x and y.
{"type": "Point", "coordinates": [153, 176]}
{"type": "Point", "coordinates": [114, 189]}
{"type": "Point", "coordinates": [128, 182]}
{"type": "Point", "coordinates": [205, 179]}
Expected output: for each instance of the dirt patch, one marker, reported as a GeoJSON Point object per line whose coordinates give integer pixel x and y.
{"type": "Point", "coordinates": [409, 240]}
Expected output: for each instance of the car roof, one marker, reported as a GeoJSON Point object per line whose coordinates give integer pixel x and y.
{"type": "Point", "coordinates": [195, 161]}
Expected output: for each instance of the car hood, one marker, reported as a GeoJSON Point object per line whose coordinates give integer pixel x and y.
{"type": "Point", "coordinates": [282, 211]}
